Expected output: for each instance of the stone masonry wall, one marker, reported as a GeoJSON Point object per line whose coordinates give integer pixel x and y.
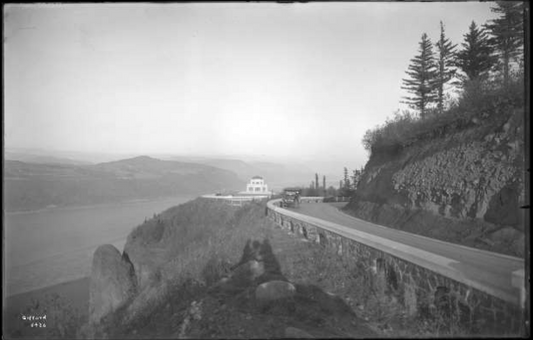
{"type": "Point", "coordinates": [419, 289]}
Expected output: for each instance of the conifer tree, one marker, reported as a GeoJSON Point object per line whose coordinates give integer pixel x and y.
{"type": "Point", "coordinates": [422, 74]}
{"type": "Point", "coordinates": [356, 176]}
{"type": "Point", "coordinates": [475, 59]}
{"type": "Point", "coordinates": [507, 34]}
{"type": "Point", "coordinates": [445, 62]}
{"type": "Point", "coordinates": [346, 179]}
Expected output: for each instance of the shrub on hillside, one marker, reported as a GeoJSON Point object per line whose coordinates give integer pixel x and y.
{"type": "Point", "coordinates": [199, 234]}
{"type": "Point", "coordinates": [488, 99]}
{"type": "Point", "coordinates": [200, 241]}
{"type": "Point", "coordinates": [60, 319]}
{"type": "Point", "coordinates": [480, 102]}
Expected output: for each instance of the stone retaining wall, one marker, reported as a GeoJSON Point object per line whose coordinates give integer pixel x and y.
{"type": "Point", "coordinates": [420, 289]}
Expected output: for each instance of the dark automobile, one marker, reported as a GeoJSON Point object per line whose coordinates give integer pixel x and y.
{"type": "Point", "coordinates": [290, 198]}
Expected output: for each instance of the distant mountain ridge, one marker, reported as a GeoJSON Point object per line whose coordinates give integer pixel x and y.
{"type": "Point", "coordinates": [40, 159]}
{"type": "Point", "coordinates": [30, 186]}
{"type": "Point", "coordinates": [276, 175]}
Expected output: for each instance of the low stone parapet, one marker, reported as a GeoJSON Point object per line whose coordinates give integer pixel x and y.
{"type": "Point", "coordinates": [423, 279]}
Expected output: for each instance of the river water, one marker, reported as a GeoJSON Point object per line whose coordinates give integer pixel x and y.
{"type": "Point", "coordinates": [48, 247]}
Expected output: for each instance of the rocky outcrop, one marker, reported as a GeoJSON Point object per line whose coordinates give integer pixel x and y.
{"type": "Point", "coordinates": [465, 181]}
{"type": "Point", "coordinates": [143, 264]}
{"type": "Point", "coordinates": [475, 175]}
{"type": "Point", "coordinates": [113, 282]}
{"type": "Point", "coordinates": [147, 254]}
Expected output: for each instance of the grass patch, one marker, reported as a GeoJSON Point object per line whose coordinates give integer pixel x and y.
{"type": "Point", "coordinates": [197, 242]}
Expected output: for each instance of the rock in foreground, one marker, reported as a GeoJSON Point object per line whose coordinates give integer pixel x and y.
{"type": "Point", "coordinates": [274, 290]}
{"type": "Point", "coordinates": [113, 282]}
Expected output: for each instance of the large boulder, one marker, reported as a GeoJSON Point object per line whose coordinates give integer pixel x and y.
{"type": "Point", "coordinates": [274, 290]}
{"type": "Point", "coordinates": [113, 282]}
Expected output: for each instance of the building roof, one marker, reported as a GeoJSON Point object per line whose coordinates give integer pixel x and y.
{"type": "Point", "coordinates": [257, 177]}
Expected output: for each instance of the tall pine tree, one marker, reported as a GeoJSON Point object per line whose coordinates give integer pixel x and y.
{"type": "Point", "coordinates": [445, 62]}
{"type": "Point", "coordinates": [507, 34]}
{"type": "Point", "coordinates": [475, 58]}
{"type": "Point", "coordinates": [422, 73]}
{"type": "Point", "coordinates": [346, 179]}
{"type": "Point", "coordinates": [356, 176]}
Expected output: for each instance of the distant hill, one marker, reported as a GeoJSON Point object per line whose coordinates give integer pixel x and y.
{"type": "Point", "coordinates": [46, 156]}
{"type": "Point", "coordinates": [30, 186]}
{"type": "Point", "coordinates": [276, 175]}
{"type": "Point", "coordinates": [40, 159]}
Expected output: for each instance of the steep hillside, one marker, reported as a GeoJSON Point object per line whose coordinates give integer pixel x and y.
{"type": "Point", "coordinates": [34, 186]}
{"type": "Point", "coordinates": [208, 270]}
{"type": "Point", "coordinates": [462, 183]}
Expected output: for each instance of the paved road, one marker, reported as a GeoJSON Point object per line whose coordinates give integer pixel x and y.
{"type": "Point", "coordinates": [492, 269]}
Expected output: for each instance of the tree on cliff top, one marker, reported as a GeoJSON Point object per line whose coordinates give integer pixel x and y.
{"type": "Point", "coordinates": [507, 35]}
{"type": "Point", "coordinates": [445, 64]}
{"type": "Point", "coordinates": [475, 59]}
{"type": "Point", "coordinates": [422, 74]}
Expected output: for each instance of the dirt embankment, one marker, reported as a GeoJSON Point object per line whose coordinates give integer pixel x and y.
{"type": "Point", "coordinates": [465, 187]}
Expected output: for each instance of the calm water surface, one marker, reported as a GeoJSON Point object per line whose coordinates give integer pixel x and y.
{"type": "Point", "coordinates": [52, 246]}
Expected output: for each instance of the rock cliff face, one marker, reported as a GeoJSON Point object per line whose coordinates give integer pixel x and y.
{"type": "Point", "coordinates": [468, 186]}
{"type": "Point", "coordinates": [113, 282]}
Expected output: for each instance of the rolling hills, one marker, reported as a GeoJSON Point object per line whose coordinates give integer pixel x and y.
{"type": "Point", "coordinates": [30, 186]}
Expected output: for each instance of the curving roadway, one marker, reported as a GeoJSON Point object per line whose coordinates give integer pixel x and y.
{"type": "Point", "coordinates": [491, 269]}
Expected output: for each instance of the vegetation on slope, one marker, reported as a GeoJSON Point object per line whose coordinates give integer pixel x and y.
{"type": "Point", "coordinates": [198, 304]}
{"type": "Point", "coordinates": [198, 244]}
{"type": "Point", "coordinates": [488, 72]}
{"type": "Point", "coordinates": [334, 297]}
{"type": "Point", "coordinates": [454, 169]}
{"type": "Point", "coordinates": [490, 106]}
{"type": "Point", "coordinates": [455, 176]}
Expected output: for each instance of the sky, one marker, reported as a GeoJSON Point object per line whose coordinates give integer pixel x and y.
{"type": "Point", "coordinates": [274, 81]}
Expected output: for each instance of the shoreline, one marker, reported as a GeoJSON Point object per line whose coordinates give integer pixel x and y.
{"type": "Point", "coordinates": [97, 205]}
{"type": "Point", "coordinates": [75, 290]}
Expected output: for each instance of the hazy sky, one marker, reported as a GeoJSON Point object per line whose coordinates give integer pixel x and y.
{"type": "Point", "coordinates": [296, 80]}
